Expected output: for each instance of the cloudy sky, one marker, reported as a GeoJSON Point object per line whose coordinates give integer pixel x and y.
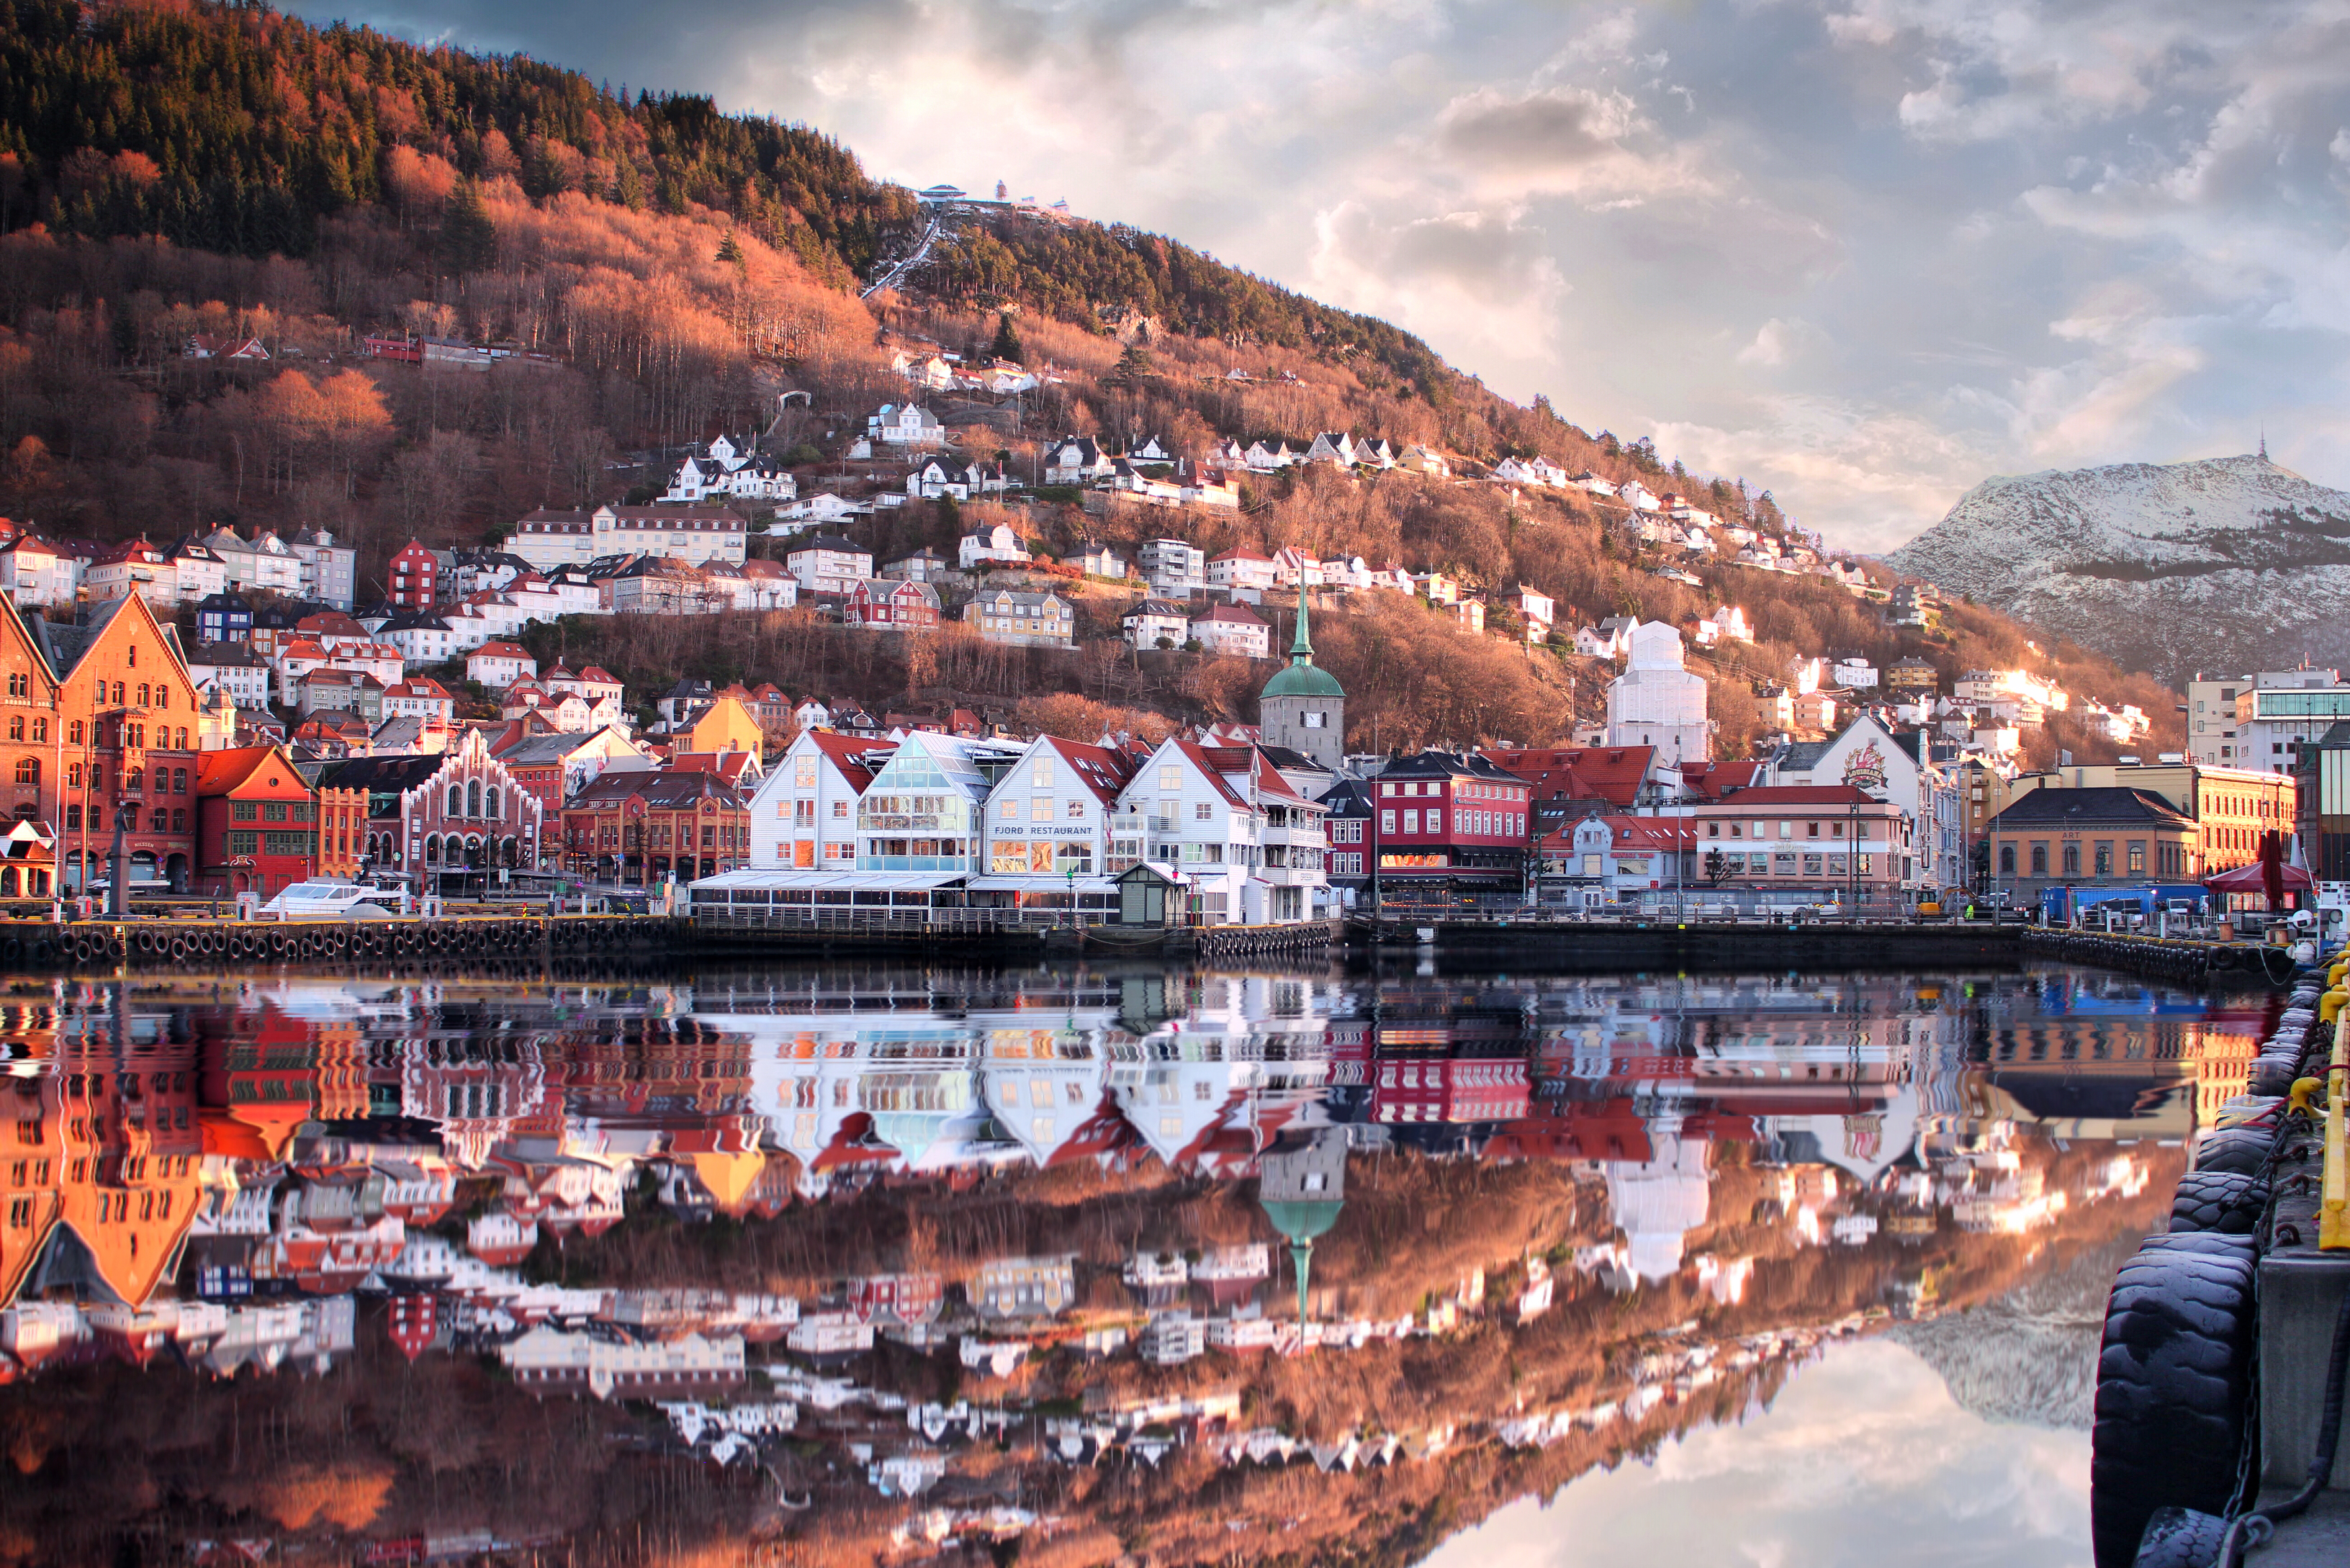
{"type": "Point", "coordinates": [1863, 1460]}
{"type": "Point", "coordinates": [1865, 253]}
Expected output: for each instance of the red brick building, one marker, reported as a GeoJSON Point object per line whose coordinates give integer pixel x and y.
{"type": "Point", "coordinates": [643, 827]}
{"type": "Point", "coordinates": [121, 736]}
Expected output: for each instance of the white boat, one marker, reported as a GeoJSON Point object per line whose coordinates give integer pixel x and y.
{"type": "Point", "coordinates": [328, 899]}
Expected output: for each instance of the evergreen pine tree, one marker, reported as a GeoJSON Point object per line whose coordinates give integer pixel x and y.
{"type": "Point", "coordinates": [1132, 366]}
{"type": "Point", "coordinates": [729, 252]}
{"type": "Point", "coordinates": [469, 239]}
{"type": "Point", "coordinates": [1007, 342]}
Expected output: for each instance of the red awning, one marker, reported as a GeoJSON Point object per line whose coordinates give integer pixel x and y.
{"type": "Point", "coordinates": [2251, 878]}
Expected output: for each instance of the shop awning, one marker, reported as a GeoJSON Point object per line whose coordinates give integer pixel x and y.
{"type": "Point", "coordinates": [2253, 878]}
{"type": "Point", "coordinates": [1040, 883]}
{"type": "Point", "coordinates": [750, 881]}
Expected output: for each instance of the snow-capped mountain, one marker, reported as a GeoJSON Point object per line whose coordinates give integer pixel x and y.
{"type": "Point", "coordinates": [2028, 1356]}
{"type": "Point", "coordinates": [2232, 565]}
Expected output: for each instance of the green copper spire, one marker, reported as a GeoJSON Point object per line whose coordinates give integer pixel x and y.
{"type": "Point", "coordinates": [1301, 650]}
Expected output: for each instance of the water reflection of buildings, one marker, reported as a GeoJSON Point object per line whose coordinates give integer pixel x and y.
{"type": "Point", "coordinates": [249, 1153]}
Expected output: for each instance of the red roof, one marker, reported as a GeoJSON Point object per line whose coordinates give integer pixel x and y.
{"type": "Point", "coordinates": [1638, 834]}
{"type": "Point", "coordinates": [1202, 759]}
{"type": "Point", "coordinates": [1249, 760]}
{"type": "Point", "coordinates": [846, 752]}
{"type": "Point", "coordinates": [1577, 773]}
{"type": "Point", "coordinates": [1711, 779]}
{"type": "Point", "coordinates": [1103, 771]}
{"type": "Point", "coordinates": [1797, 795]}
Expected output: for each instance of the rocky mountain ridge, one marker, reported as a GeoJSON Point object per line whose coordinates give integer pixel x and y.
{"type": "Point", "coordinates": [2223, 564]}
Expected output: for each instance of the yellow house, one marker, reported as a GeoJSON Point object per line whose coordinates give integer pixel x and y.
{"type": "Point", "coordinates": [726, 727]}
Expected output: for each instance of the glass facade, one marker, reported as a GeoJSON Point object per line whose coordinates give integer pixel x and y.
{"type": "Point", "coordinates": [924, 810]}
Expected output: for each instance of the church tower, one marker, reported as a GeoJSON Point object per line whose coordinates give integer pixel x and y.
{"type": "Point", "coordinates": [1302, 706]}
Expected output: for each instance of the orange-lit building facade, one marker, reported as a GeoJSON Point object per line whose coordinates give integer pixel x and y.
{"type": "Point", "coordinates": [100, 718]}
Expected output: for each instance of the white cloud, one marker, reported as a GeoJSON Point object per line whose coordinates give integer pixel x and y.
{"type": "Point", "coordinates": [1865, 1458]}
{"type": "Point", "coordinates": [1866, 257]}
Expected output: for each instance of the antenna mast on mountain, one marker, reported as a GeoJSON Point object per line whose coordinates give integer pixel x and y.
{"type": "Point", "coordinates": [2265, 441]}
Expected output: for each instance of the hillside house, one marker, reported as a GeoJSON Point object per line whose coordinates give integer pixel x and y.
{"type": "Point", "coordinates": [1175, 568]}
{"type": "Point", "coordinates": [1292, 568]}
{"type": "Point", "coordinates": [900, 606]}
{"type": "Point", "coordinates": [1233, 629]}
{"type": "Point", "coordinates": [1269, 455]}
{"type": "Point", "coordinates": [1155, 624]}
{"type": "Point", "coordinates": [1537, 611]}
{"type": "Point", "coordinates": [1077, 461]}
{"type": "Point", "coordinates": [1098, 560]}
{"type": "Point", "coordinates": [497, 665]}
{"type": "Point", "coordinates": [1609, 640]}
{"type": "Point", "coordinates": [924, 565]}
{"type": "Point", "coordinates": [932, 480]}
{"type": "Point", "coordinates": [1211, 487]}
{"type": "Point", "coordinates": [33, 572]}
{"type": "Point", "coordinates": [1239, 571]}
{"type": "Point", "coordinates": [995, 547]}
{"type": "Point", "coordinates": [907, 426]}
{"type": "Point", "coordinates": [1336, 448]}
{"type": "Point", "coordinates": [689, 533]}
{"type": "Point", "coordinates": [1023, 621]}
{"type": "Point", "coordinates": [419, 697]}
{"type": "Point", "coordinates": [829, 563]}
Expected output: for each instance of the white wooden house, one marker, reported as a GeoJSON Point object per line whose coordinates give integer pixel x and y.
{"type": "Point", "coordinates": [1077, 460]}
{"type": "Point", "coordinates": [998, 546]}
{"type": "Point", "coordinates": [907, 425]}
{"type": "Point", "coordinates": [1156, 624]}
{"type": "Point", "coordinates": [803, 813]}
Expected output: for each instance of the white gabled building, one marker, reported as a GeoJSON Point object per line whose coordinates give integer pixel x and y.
{"type": "Point", "coordinates": [1221, 821]}
{"type": "Point", "coordinates": [906, 425]}
{"type": "Point", "coordinates": [1240, 569]}
{"type": "Point", "coordinates": [804, 814]}
{"type": "Point", "coordinates": [1049, 825]}
{"type": "Point", "coordinates": [1155, 624]}
{"type": "Point", "coordinates": [998, 546]}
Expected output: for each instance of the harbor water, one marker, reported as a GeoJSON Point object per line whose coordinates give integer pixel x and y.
{"type": "Point", "coordinates": [1129, 1264]}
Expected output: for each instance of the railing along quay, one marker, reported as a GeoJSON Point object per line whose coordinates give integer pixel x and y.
{"type": "Point", "coordinates": [771, 928]}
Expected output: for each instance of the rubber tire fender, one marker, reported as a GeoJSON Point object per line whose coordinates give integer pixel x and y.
{"type": "Point", "coordinates": [2181, 1538]}
{"type": "Point", "coordinates": [2244, 1149]}
{"type": "Point", "coordinates": [2227, 1201]}
{"type": "Point", "coordinates": [2174, 1372]}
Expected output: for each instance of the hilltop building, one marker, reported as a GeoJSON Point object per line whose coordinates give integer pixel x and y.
{"type": "Point", "coordinates": [1658, 701]}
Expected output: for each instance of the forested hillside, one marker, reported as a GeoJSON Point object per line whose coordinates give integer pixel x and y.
{"type": "Point", "coordinates": [664, 271]}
